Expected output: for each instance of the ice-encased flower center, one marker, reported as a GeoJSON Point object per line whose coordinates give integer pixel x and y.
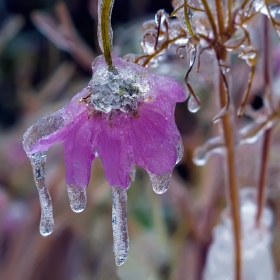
{"type": "Point", "coordinates": [117, 89]}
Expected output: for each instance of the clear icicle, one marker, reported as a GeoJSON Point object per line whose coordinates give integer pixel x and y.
{"type": "Point", "coordinates": [100, 6]}
{"type": "Point", "coordinates": [211, 146]}
{"type": "Point", "coordinates": [119, 224]}
{"type": "Point", "coordinates": [77, 198]}
{"type": "Point", "coordinates": [160, 183]}
{"type": "Point", "coordinates": [193, 105]}
{"type": "Point", "coordinates": [180, 151]}
{"type": "Point", "coordinates": [132, 174]}
{"type": "Point", "coordinates": [38, 162]}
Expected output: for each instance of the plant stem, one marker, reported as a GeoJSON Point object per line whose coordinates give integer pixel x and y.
{"type": "Point", "coordinates": [210, 17]}
{"type": "Point", "coordinates": [267, 136]}
{"type": "Point", "coordinates": [220, 16]}
{"type": "Point", "coordinates": [105, 11]}
{"type": "Point", "coordinates": [229, 26]}
{"type": "Point", "coordinates": [231, 169]}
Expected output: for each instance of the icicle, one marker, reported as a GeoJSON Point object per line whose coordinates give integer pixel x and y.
{"type": "Point", "coordinates": [38, 162]}
{"type": "Point", "coordinates": [160, 183]}
{"type": "Point", "coordinates": [180, 151]}
{"type": "Point", "coordinates": [193, 105]}
{"type": "Point", "coordinates": [119, 224]}
{"type": "Point", "coordinates": [132, 174]}
{"type": "Point", "coordinates": [77, 198]}
{"type": "Point", "coordinates": [202, 153]}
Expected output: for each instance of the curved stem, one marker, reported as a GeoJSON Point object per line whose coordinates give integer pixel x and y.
{"type": "Point", "coordinates": [104, 20]}
{"type": "Point", "coordinates": [267, 136]}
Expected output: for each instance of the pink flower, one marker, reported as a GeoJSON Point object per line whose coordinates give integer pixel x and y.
{"type": "Point", "coordinates": [125, 116]}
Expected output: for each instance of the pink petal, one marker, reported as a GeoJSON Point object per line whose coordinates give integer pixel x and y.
{"type": "Point", "coordinates": [171, 87]}
{"type": "Point", "coordinates": [55, 127]}
{"type": "Point", "coordinates": [154, 139]}
{"type": "Point", "coordinates": [79, 148]}
{"type": "Point", "coordinates": [116, 156]}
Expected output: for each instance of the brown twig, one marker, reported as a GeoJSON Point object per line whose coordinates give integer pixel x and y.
{"type": "Point", "coordinates": [233, 187]}
{"type": "Point", "coordinates": [64, 35]}
{"type": "Point", "coordinates": [261, 197]}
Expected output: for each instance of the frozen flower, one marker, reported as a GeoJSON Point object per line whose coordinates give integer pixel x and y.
{"type": "Point", "coordinates": [126, 116]}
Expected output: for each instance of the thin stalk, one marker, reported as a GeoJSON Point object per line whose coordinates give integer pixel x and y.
{"type": "Point", "coordinates": [105, 28]}
{"type": "Point", "coordinates": [210, 17]}
{"type": "Point", "coordinates": [229, 25]}
{"type": "Point", "coordinates": [261, 197]}
{"type": "Point", "coordinates": [220, 16]}
{"type": "Point", "coordinates": [231, 169]}
{"type": "Point", "coordinates": [188, 23]}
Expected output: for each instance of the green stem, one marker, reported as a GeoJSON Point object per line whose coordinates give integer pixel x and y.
{"type": "Point", "coordinates": [106, 7]}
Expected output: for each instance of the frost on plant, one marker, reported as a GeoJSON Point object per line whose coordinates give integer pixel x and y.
{"type": "Point", "coordinates": [125, 116]}
{"type": "Point", "coordinates": [256, 244]}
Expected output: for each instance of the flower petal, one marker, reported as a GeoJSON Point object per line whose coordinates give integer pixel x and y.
{"type": "Point", "coordinates": [79, 148]}
{"type": "Point", "coordinates": [116, 153]}
{"type": "Point", "coordinates": [170, 87]}
{"type": "Point", "coordinates": [155, 138]}
{"type": "Point", "coordinates": [55, 127]}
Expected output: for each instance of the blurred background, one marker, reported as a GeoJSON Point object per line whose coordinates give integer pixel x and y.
{"type": "Point", "coordinates": [46, 51]}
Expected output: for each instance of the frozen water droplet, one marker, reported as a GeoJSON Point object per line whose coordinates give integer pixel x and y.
{"type": "Point", "coordinates": [38, 162]}
{"type": "Point", "coordinates": [202, 153]}
{"type": "Point", "coordinates": [132, 174]}
{"type": "Point", "coordinates": [191, 52]}
{"type": "Point", "coordinates": [249, 54]}
{"type": "Point", "coordinates": [163, 17]}
{"type": "Point", "coordinates": [180, 151]}
{"type": "Point", "coordinates": [119, 224]}
{"type": "Point", "coordinates": [193, 105]}
{"type": "Point", "coordinates": [77, 198]}
{"type": "Point", "coordinates": [95, 153]}
{"type": "Point", "coordinates": [160, 183]}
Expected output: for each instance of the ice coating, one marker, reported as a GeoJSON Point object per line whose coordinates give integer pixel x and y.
{"type": "Point", "coordinates": [125, 116]}
{"type": "Point", "coordinates": [148, 137]}
{"type": "Point", "coordinates": [214, 145]}
{"type": "Point", "coordinates": [38, 162]}
{"type": "Point", "coordinates": [118, 89]}
{"type": "Point", "coordinates": [256, 244]}
{"type": "Point", "coordinates": [193, 105]}
{"type": "Point", "coordinates": [77, 198]}
{"type": "Point", "coordinates": [160, 183]}
{"type": "Point", "coordinates": [249, 134]}
{"type": "Point", "coordinates": [119, 224]}
{"type": "Point", "coordinates": [180, 151]}
{"type": "Point", "coordinates": [99, 33]}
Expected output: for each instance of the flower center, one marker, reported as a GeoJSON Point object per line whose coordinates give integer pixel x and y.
{"type": "Point", "coordinates": [117, 89]}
